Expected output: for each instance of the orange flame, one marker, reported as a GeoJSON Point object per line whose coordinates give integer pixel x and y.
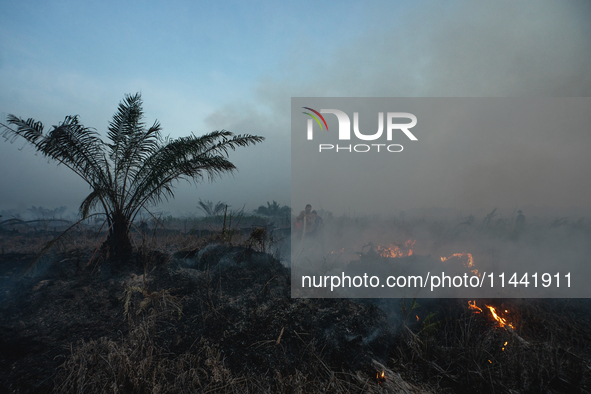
{"type": "Point", "coordinates": [500, 320]}
{"type": "Point", "coordinates": [381, 377]}
{"type": "Point", "coordinates": [417, 317]}
{"type": "Point", "coordinates": [472, 305]}
{"type": "Point", "coordinates": [394, 251]}
{"type": "Point", "coordinates": [469, 261]}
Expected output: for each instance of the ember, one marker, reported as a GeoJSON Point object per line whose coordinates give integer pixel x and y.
{"type": "Point", "coordinates": [472, 305]}
{"type": "Point", "coordinates": [394, 251]}
{"type": "Point", "coordinates": [381, 377]}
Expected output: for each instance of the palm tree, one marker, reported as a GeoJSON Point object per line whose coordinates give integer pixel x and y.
{"type": "Point", "coordinates": [273, 209]}
{"type": "Point", "coordinates": [136, 168]}
{"type": "Point", "coordinates": [211, 209]}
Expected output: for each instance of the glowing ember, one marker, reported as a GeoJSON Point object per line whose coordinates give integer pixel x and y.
{"type": "Point", "coordinates": [472, 305]}
{"type": "Point", "coordinates": [394, 251]}
{"type": "Point", "coordinates": [381, 377]}
{"type": "Point", "coordinates": [500, 320]}
{"type": "Point", "coordinates": [503, 349]}
{"type": "Point", "coordinates": [417, 317]}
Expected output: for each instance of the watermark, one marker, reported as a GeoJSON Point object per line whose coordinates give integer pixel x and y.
{"type": "Point", "coordinates": [393, 126]}
{"type": "Point", "coordinates": [359, 165]}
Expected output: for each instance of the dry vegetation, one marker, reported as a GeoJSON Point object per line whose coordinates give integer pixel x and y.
{"type": "Point", "coordinates": [208, 315]}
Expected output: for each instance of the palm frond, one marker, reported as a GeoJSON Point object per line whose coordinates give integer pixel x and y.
{"type": "Point", "coordinates": [189, 158]}
{"type": "Point", "coordinates": [69, 143]}
{"type": "Point", "coordinates": [136, 167]}
{"type": "Point", "coordinates": [90, 202]}
{"type": "Point", "coordinates": [30, 129]}
{"type": "Point", "coordinates": [126, 121]}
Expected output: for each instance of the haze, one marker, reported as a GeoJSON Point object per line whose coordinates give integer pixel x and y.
{"type": "Point", "coordinates": [236, 66]}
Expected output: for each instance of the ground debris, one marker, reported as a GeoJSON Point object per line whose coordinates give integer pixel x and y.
{"type": "Point", "coordinates": [221, 319]}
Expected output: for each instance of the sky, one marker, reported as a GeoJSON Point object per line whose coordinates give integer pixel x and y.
{"type": "Point", "coordinates": [203, 66]}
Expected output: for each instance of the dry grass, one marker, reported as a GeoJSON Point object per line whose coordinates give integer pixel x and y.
{"type": "Point", "coordinates": [138, 364]}
{"type": "Point", "coordinates": [450, 349]}
{"type": "Point", "coordinates": [548, 351]}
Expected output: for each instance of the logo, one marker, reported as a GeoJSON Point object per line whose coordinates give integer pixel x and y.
{"type": "Point", "coordinates": [344, 133]}
{"type": "Point", "coordinates": [316, 119]}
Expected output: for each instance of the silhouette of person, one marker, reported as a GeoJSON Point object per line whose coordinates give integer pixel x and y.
{"type": "Point", "coordinates": [305, 217]}
{"type": "Point", "coordinates": [520, 221]}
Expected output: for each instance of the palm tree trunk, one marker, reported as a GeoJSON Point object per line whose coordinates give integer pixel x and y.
{"type": "Point", "coordinates": [118, 241]}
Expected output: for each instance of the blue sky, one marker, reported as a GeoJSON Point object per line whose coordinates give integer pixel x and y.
{"type": "Point", "coordinates": [188, 59]}
{"type": "Point", "coordinates": [214, 51]}
{"type": "Point", "coordinates": [202, 66]}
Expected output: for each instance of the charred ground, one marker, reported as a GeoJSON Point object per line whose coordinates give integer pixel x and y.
{"type": "Point", "coordinates": [219, 318]}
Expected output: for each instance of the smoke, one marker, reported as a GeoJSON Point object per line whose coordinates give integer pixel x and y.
{"type": "Point", "coordinates": [451, 49]}
{"type": "Point", "coordinates": [544, 257]}
{"type": "Point", "coordinates": [457, 49]}
{"type": "Point", "coordinates": [425, 49]}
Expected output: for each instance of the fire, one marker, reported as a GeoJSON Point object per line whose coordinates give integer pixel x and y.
{"type": "Point", "coordinates": [469, 261]}
{"type": "Point", "coordinates": [394, 251]}
{"type": "Point", "coordinates": [472, 305]}
{"type": "Point", "coordinates": [381, 377]}
{"type": "Point", "coordinates": [417, 317]}
{"type": "Point", "coordinates": [500, 320]}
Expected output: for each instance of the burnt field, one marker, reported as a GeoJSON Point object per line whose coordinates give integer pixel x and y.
{"type": "Point", "coordinates": [194, 314]}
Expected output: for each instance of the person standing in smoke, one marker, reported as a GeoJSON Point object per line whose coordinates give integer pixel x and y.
{"type": "Point", "coordinates": [318, 224]}
{"type": "Point", "coordinates": [305, 221]}
{"type": "Point", "coordinates": [317, 231]}
{"type": "Point", "coordinates": [519, 224]}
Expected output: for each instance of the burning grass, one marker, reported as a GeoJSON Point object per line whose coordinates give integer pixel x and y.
{"type": "Point", "coordinates": [219, 318]}
{"type": "Point", "coordinates": [534, 346]}
{"type": "Point", "coordinates": [395, 251]}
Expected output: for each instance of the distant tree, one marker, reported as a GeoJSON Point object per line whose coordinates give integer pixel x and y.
{"type": "Point", "coordinates": [10, 213]}
{"type": "Point", "coordinates": [211, 209]}
{"type": "Point", "coordinates": [59, 211]}
{"type": "Point", "coordinates": [38, 212]}
{"type": "Point", "coordinates": [135, 168]}
{"type": "Point", "coordinates": [41, 212]}
{"type": "Point", "coordinates": [273, 209]}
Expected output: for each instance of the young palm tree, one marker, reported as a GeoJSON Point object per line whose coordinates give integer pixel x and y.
{"type": "Point", "coordinates": [138, 167]}
{"type": "Point", "coordinates": [211, 209]}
